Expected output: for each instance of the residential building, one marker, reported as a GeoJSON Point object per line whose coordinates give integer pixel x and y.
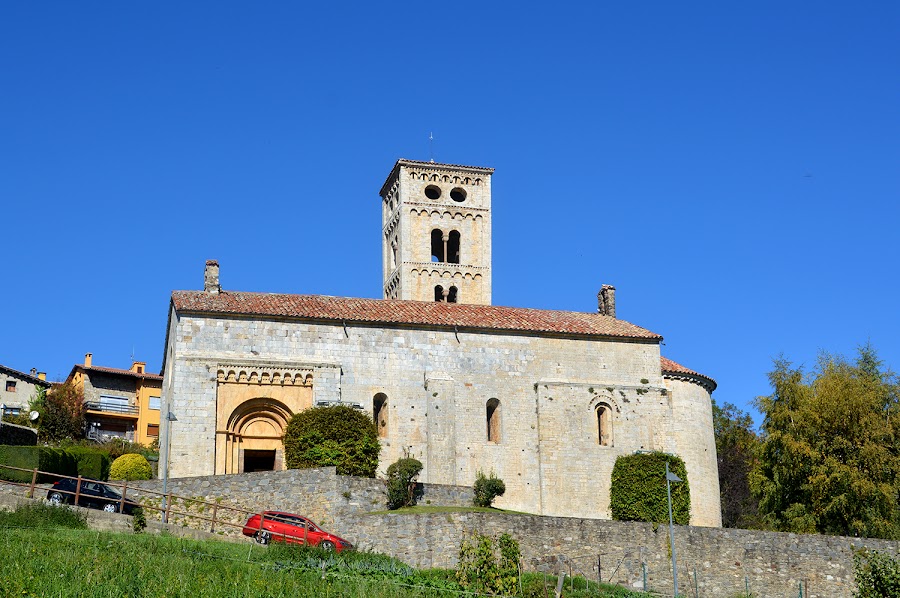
{"type": "Point", "coordinates": [17, 388]}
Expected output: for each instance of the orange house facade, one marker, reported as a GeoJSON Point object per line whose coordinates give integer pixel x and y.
{"type": "Point", "coordinates": [119, 403]}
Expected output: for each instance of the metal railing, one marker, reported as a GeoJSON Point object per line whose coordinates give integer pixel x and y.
{"type": "Point", "coordinates": [108, 408]}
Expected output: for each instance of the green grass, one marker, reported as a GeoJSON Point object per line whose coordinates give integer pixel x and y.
{"type": "Point", "coordinates": [41, 561]}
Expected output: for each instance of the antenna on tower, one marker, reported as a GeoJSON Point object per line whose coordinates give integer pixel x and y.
{"type": "Point", "coordinates": [431, 146]}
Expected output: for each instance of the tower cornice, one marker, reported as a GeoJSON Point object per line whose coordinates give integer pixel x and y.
{"type": "Point", "coordinates": [432, 166]}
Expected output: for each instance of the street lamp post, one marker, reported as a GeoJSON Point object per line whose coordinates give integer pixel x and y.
{"type": "Point", "coordinates": [170, 417]}
{"type": "Point", "coordinates": [671, 477]}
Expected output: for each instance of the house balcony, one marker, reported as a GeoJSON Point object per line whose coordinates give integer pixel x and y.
{"type": "Point", "coordinates": [113, 410]}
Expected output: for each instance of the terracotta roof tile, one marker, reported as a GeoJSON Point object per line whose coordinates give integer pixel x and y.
{"type": "Point", "coordinates": [670, 367]}
{"type": "Point", "coordinates": [119, 372]}
{"type": "Point", "coordinates": [416, 313]}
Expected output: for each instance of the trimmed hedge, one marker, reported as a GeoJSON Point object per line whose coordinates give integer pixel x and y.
{"type": "Point", "coordinates": [72, 461]}
{"type": "Point", "coordinates": [91, 463]}
{"type": "Point", "coordinates": [338, 435]}
{"type": "Point", "coordinates": [44, 458]}
{"type": "Point", "coordinates": [638, 490]}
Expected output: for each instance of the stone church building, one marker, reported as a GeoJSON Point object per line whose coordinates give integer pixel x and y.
{"type": "Point", "coordinates": [545, 399]}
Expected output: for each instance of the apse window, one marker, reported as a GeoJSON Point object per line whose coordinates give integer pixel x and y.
{"type": "Point", "coordinates": [433, 192]}
{"type": "Point", "coordinates": [493, 420]}
{"type": "Point", "coordinates": [604, 425]}
{"type": "Point", "coordinates": [458, 195]}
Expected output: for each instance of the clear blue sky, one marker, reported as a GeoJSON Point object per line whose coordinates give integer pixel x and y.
{"type": "Point", "coordinates": [732, 168]}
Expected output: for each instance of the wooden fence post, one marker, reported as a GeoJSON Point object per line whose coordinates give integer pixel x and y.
{"type": "Point", "coordinates": [212, 527]}
{"type": "Point", "coordinates": [78, 490]}
{"type": "Point", "coordinates": [122, 500]}
{"type": "Point", "coordinates": [33, 483]}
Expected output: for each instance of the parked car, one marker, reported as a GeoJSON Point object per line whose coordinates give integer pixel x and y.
{"type": "Point", "coordinates": [292, 529]}
{"type": "Point", "coordinates": [93, 494]}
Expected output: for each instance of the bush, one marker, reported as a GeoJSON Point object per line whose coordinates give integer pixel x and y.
{"type": "Point", "coordinates": [487, 489]}
{"type": "Point", "coordinates": [482, 570]}
{"type": "Point", "coordinates": [638, 489]}
{"type": "Point", "coordinates": [130, 467]}
{"type": "Point", "coordinates": [877, 575]}
{"type": "Point", "coordinates": [43, 515]}
{"type": "Point", "coordinates": [401, 482]}
{"type": "Point", "coordinates": [42, 458]}
{"type": "Point", "coordinates": [91, 462]}
{"type": "Point", "coordinates": [336, 436]}
{"type": "Point", "coordinates": [138, 520]}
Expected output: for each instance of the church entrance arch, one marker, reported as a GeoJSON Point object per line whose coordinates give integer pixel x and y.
{"type": "Point", "coordinates": [254, 436]}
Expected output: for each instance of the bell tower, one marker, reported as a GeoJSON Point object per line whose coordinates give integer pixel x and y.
{"type": "Point", "coordinates": [436, 233]}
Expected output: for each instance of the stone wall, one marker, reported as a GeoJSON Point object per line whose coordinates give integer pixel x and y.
{"type": "Point", "coordinates": [723, 562]}
{"type": "Point", "coordinates": [319, 494]}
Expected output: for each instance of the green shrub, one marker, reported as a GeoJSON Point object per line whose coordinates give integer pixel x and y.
{"type": "Point", "coordinates": [401, 482]}
{"type": "Point", "coordinates": [487, 489]}
{"type": "Point", "coordinates": [332, 436]}
{"type": "Point", "coordinates": [482, 570]}
{"type": "Point", "coordinates": [43, 515]}
{"type": "Point", "coordinates": [638, 489]}
{"type": "Point", "coordinates": [138, 520]}
{"type": "Point", "coordinates": [42, 458]}
{"type": "Point", "coordinates": [91, 462]}
{"type": "Point", "coordinates": [877, 575]}
{"type": "Point", "coordinates": [130, 467]}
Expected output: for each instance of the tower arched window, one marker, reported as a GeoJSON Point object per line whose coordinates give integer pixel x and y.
{"type": "Point", "coordinates": [380, 414]}
{"type": "Point", "coordinates": [493, 420]}
{"type": "Point", "coordinates": [453, 247]}
{"type": "Point", "coordinates": [452, 293]}
{"type": "Point", "coordinates": [437, 245]}
{"type": "Point", "coordinates": [604, 424]}
{"type": "Point", "coordinates": [438, 293]}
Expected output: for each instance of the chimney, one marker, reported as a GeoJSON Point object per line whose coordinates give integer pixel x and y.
{"type": "Point", "coordinates": [87, 360]}
{"type": "Point", "coordinates": [211, 277]}
{"type": "Point", "coordinates": [138, 367]}
{"type": "Point", "coordinates": [33, 372]}
{"type": "Point", "coordinates": [606, 301]}
{"type": "Point", "coordinates": [42, 375]}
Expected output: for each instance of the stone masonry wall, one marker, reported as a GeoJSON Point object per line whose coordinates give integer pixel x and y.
{"type": "Point", "coordinates": [723, 562]}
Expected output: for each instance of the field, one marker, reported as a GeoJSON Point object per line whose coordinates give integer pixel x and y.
{"type": "Point", "coordinates": [46, 552]}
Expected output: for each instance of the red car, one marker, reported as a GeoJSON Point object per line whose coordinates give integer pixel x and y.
{"type": "Point", "coordinates": [292, 529]}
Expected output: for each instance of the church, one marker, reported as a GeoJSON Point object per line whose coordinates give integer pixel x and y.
{"type": "Point", "coordinates": [547, 400]}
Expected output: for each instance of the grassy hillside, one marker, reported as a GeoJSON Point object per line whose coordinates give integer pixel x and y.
{"type": "Point", "coordinates": [65, 562]}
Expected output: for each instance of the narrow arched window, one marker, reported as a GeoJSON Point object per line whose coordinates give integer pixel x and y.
{"type": "Point", "coordinates": [437, 245]}
{"type": "Point", "coordinates": [604, 425]}
{"type": "Point", "coordinates": [379, 414]}
{"type": "Point", "coordinates": [452, 295]}
{"type": "Point", "coordinates": [493, 420]}
{"type": "Point", "coordinates": [439, 293]}
{"type": "Point", "coordinates": [453, 247]}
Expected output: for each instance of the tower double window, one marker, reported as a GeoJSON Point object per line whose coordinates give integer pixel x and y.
{"type": "Point", "coordinates": [445, 246]}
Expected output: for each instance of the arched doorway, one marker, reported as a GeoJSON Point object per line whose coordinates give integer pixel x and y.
{"type": "Point", "coordinates": [254, 436]}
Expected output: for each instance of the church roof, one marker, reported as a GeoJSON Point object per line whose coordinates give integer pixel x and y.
{"type": "Point", "coordinates": [679, 371]}
{"type": "Point", "coordinates": [415, 313]}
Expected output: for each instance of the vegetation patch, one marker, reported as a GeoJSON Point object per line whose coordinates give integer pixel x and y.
{"type": "Point", "coordinates": [638, 489]}
{"type": "Point", "coordinates": [336, 436]}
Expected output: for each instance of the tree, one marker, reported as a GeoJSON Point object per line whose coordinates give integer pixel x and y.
{"type": "Point", "coordinates": [736, 448]}
{"type": "Point", "coordinates": [63, 415]}
{"type": "Point", "coordinates": [830, 453]}
{"type": "Point", "coordinates": [401, 482]}
{"type": "Point", "coordinates": [339, 435]}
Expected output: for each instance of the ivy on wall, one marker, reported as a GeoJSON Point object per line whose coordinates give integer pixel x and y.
{"type": "Point", "coordinates": [638, 491]}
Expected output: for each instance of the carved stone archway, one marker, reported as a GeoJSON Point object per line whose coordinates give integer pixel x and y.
{"type": "Point", "coordinates": [255, 429]}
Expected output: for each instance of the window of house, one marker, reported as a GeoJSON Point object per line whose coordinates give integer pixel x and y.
{"type": "Point", "coordinates": [111, 403]}
{"type": "Point", "coordinates": [379, 414]}
{"type": "Point", "coordinates": [10, 386]}
{"type": "Point", "coordinates": [13, 411]}
{"type": "Point", "coordinates": [154, 403]}
{"type": "Point", "coordinates": [153, 430]}
{"type": "Point", "coordinates": [493, 420]}
{"type": "Point", "coordinates": [604, 425]}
